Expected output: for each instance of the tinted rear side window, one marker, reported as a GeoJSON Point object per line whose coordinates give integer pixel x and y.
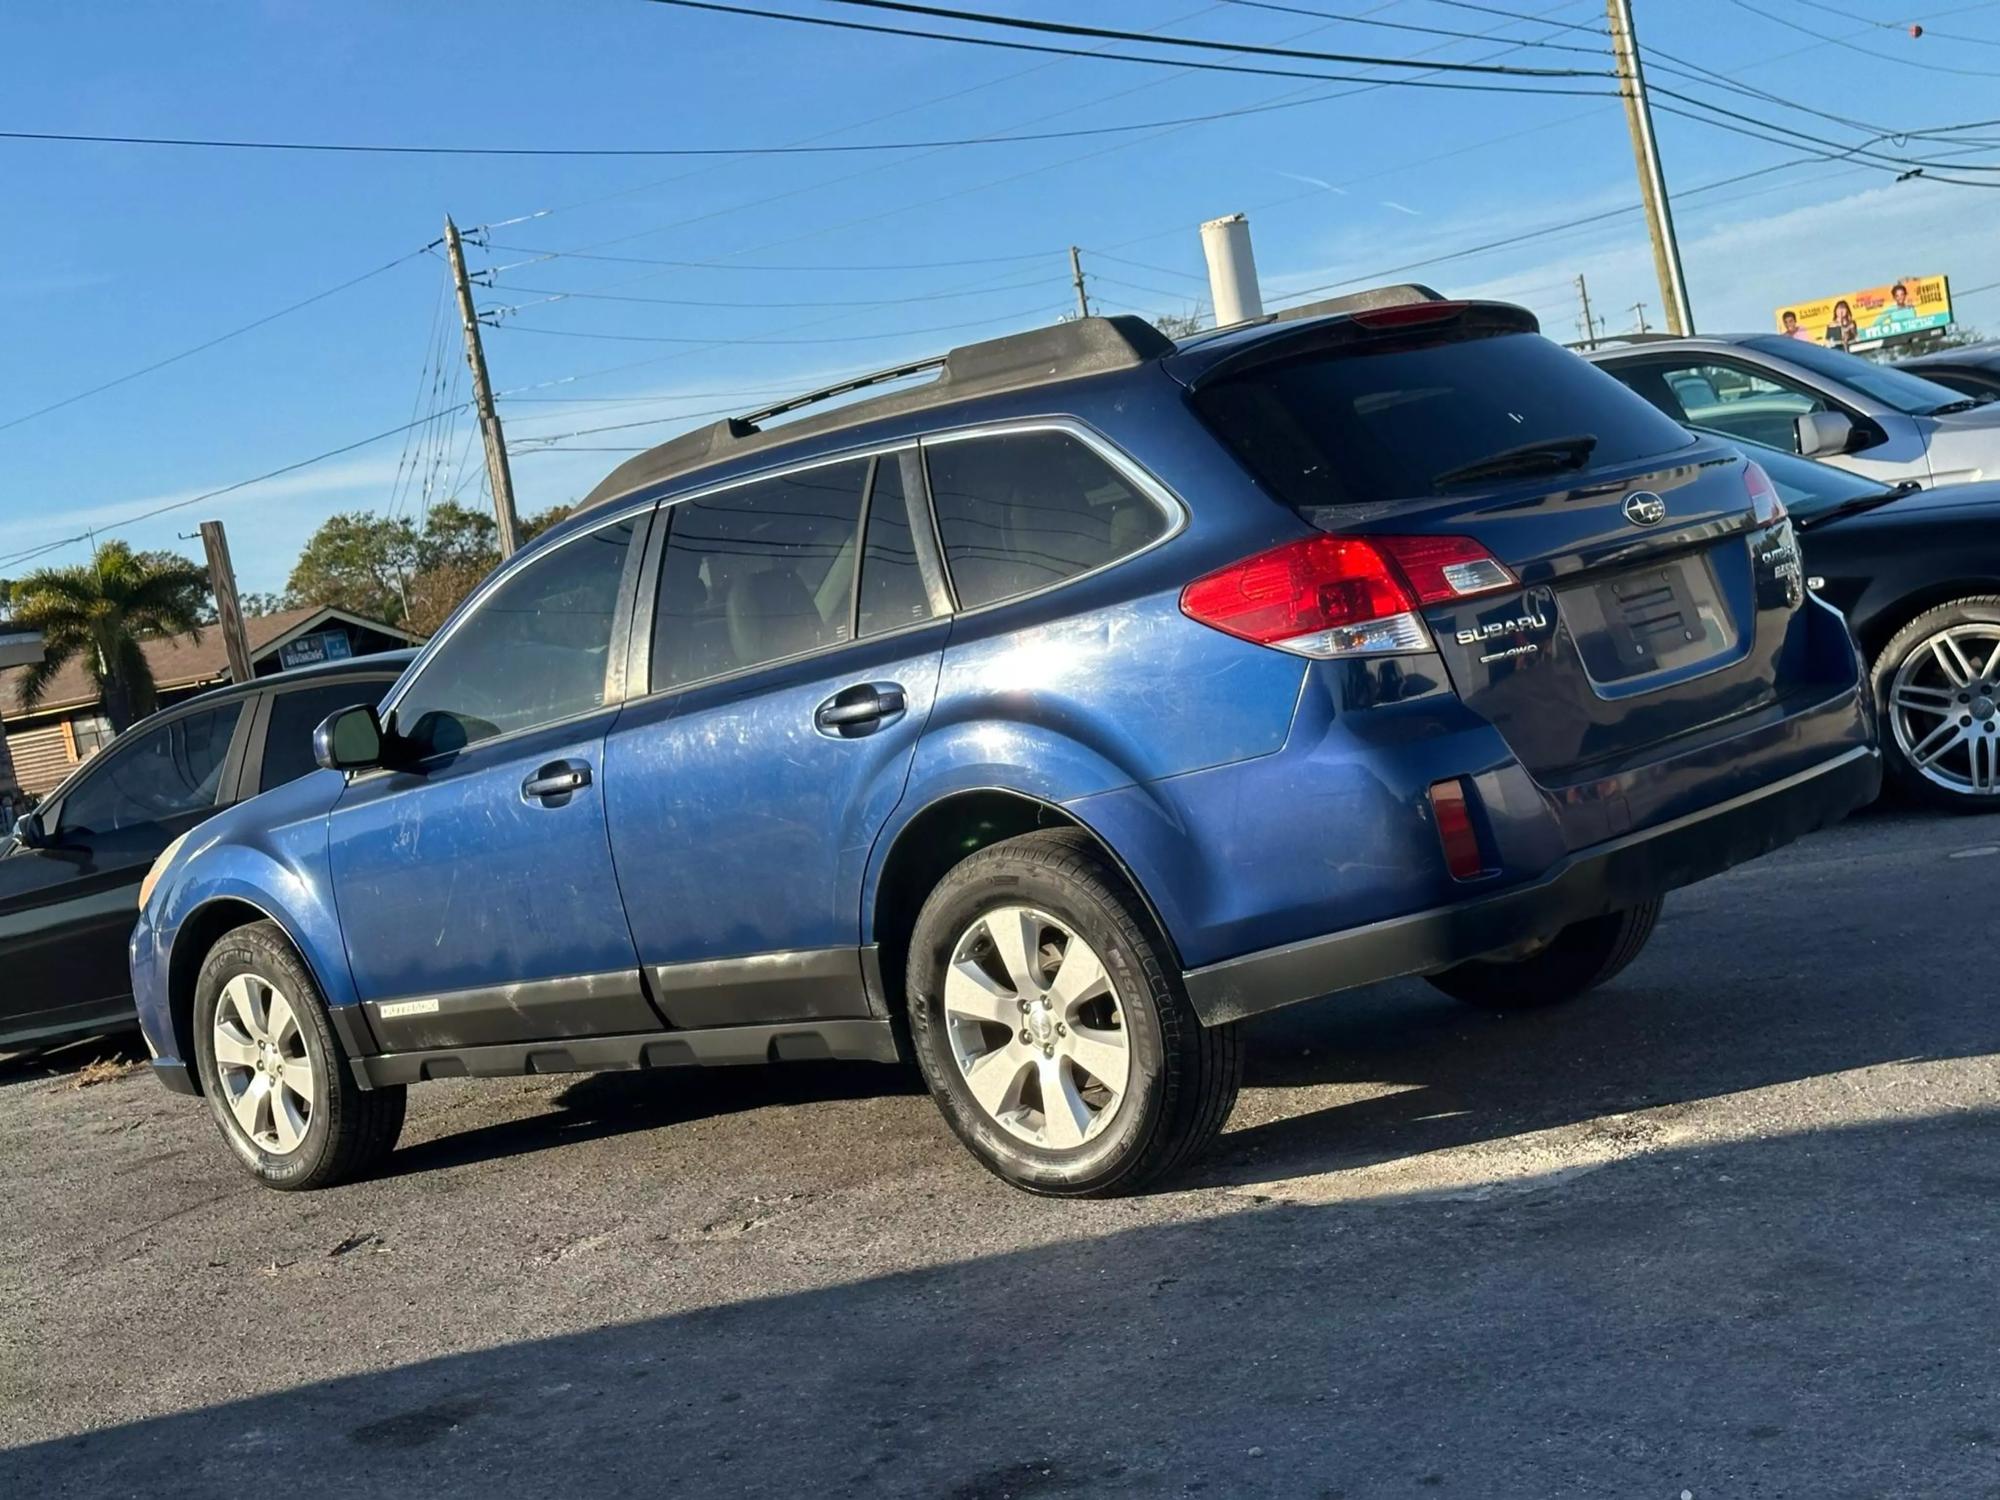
{"type": "Point", "coordinates": [1370, 425]}
{"type": "Point", "coordinates": [1019, 511]}
{"type": "Point", "coordinates": [288, 751]}
{"type": "Point", "coordinates": [758, 573]}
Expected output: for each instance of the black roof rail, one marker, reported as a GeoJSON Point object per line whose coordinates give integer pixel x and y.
{"type": "Point", "coordinates": [751, 422]}
{"type": "Point", "coordinates": [1062, 351]}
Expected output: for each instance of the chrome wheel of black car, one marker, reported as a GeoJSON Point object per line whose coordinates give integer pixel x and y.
{"type": "Point", "coordinates": [1944, 708]}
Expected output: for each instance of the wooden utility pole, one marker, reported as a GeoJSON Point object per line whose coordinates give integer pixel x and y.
{"type": "Point", "coordinates": [228, 611]}
{"type": "Point", "coordinates": [497, 470]}
{"type": "Point", "coordinates": [1639, 311]}
{"type": "Point", "coordinates": [1589, 323]}
{"type": "Point", "coordinates": [1076, 275]}
{"type": "Point", "coordinates": [1652, 180]}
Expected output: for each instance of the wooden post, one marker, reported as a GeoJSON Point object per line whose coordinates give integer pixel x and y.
{"type": "Point", "coordinates": [498, 471]}
{"type": "Point", "coordinates": [1076, 275]}
{"type": "Point", "coordinates": [222, 580]}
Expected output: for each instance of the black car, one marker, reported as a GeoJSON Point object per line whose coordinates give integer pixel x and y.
{"type": "Point", "coordinates": [1917, 573]}
{"type": "Point", "coordinates": [70, 871]}
{"type": "Point", "coordinates": [1973, 370]}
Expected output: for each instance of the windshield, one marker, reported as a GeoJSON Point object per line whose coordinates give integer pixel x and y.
{"type": "Point", "coordinates": [1808, 489]}
{"type": "Point", "coordinates": [1899, 389]}
{"type": "Point", "coordinates": [1411, 419]}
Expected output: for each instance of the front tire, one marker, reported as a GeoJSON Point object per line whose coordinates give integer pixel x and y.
{"type": "Point", "coordinates": [1576, 960]}
{"type": "Point", "coordinates": [276, 1081]}
{"type": "Point", "coordinates": [1937, 683]}
{"type": "Point", "coordinates": [1049, 1020]}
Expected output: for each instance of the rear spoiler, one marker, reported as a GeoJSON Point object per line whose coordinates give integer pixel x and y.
{"type": "Point", "coordinates": [1326, 327]}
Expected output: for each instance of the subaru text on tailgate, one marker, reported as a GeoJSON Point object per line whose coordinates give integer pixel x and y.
{"type": "Point", "coordinates": [1041, 721]}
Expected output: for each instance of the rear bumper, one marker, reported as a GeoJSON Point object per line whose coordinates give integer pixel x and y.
{"type": "Point", "coordinates": [1606, 877]}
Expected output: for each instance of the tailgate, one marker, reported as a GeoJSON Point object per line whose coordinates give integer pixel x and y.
{"type": "Point", "coordinates": [1657, 578]}
{"type": "Point", "coordinates": [1623, 634]}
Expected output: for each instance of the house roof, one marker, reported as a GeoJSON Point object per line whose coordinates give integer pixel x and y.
{"type": "Point", "coordinates": [180, 661]}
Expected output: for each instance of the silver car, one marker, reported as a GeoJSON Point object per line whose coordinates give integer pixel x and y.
{"type": "Point", "coordinates": [1875, 420]}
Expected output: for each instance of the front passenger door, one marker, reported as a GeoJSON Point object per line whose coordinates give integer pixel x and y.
{"type": "Point", "coordinates": [474, 885]}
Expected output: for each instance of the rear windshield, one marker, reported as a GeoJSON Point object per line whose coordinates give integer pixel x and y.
{"type": "Point", "coordinates": [1361, 425]}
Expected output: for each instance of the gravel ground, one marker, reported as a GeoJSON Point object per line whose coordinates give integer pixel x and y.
{"type": "Point", "coordinates": [1727, 1228]}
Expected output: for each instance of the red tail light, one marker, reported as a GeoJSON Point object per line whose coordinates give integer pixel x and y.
{"type": "Point", "coordinates": [1447, 567]}
{"type": "Point", "coordinates": [1765, 502]}
{"type": "Point", "coordinates": [1327, 596]}
{"type": "Point", "coordinates": [1462, 854]}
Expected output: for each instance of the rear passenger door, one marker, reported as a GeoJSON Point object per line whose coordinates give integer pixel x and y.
{"type": "Point", "coordinates": [798, 628]}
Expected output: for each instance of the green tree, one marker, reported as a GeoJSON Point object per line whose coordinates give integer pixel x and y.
{"type": "Point", "coordinates": [394, 570]}
{"type": "Point", "coordinates": [101, 612]}
{"type": "Point", "coordinates": [358, 561]}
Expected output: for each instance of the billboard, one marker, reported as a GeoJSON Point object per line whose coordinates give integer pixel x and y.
{"type": "Point", "coordinates": [1870, 316]}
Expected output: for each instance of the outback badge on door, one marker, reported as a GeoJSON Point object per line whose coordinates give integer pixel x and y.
{"type": "Point", "coordinates": [1644, 508]}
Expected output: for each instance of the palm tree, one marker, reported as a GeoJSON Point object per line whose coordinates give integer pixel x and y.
{"type": "Point", "coordinates": [100, 611]}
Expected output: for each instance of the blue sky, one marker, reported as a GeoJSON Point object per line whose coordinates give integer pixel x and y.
{"type": "Point", "coordinates": [115, 256]}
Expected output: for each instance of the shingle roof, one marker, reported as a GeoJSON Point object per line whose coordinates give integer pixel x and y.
{"type": "Point", "coordinates": [177, 661]}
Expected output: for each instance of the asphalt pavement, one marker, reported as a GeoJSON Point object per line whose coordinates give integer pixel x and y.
{"type": "Point", "coordinates": [1727, 1228]}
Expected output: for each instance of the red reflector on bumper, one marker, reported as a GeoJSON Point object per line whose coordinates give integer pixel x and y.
{"type": "Point", "coordinates": [1462, 854]}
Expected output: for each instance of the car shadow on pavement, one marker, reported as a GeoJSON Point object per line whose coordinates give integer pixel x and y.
{"type": "Point", "coordinates": [597, 1105]}
{"type": "Point", "coordinates": [1410, 1072]}
{"type": "Point", "coordinates": [1788, 1328]}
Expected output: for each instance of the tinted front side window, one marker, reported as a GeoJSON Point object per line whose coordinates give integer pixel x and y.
{"type": "Point", "coordinates": [892, 582]}
{"type": "Point", "coordinates": [288, 751]}
{"type": "Point", "coordinates": [172, 770]}
{"type": "Point", "coordinates": [1368, 425]}
{"type": "Point", "coordinates": [1020, 511]}
{"type": "Point", "coordinates": [536, 650]}
{"type": "Point", "coordinates": [758, 573]}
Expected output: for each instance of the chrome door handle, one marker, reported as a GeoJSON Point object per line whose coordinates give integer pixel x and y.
{"type": "Point", "coordinates": [558, 779]}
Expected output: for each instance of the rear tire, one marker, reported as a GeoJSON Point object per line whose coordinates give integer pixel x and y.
{"type": "Point", "coordinates": [1937, 683]}
{"type": "Point", "coordinates": [273, 1073]}
{"type": "Point", "coordinates": [1033, 963]}
{"type": "Point", "coordinates": [1578, 959]}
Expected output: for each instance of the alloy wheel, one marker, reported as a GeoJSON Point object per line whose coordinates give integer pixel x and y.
{"type": "Point", "coordinates": [1944, 709]}
{"type": "Point", "coordinates": [261, 1058]}
{"type": "Point", "coordinates": [1035, 1027]}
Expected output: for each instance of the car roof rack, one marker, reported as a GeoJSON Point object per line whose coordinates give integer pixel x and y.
{"type": "Point", "coordinates": [1061, 351]}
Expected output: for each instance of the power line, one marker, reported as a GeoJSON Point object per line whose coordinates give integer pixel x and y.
{"type": "Point", "coordinates": [1181, 63]}
{"type": "Point", "coordinates": [553, 294]}
{"type": "Point", "coordinates": [1249, 49]}
{"type": "Point", "coordinates": [1950, 36]}
{"type": "Point", "coordinates": [734, 265]}
{"type": "Point", "coordinates": [1907, 62]}
{"type": "Point", "coordinates": [1470, 36]}
{"type": "Point", "coordinates": [1543, 232]}
{"type": "Point", "coordinates": [206, 344]}
{"type": "Point", "coordinates": [227, 489]}
{"type": "Point", "coordinates": [714, 343]}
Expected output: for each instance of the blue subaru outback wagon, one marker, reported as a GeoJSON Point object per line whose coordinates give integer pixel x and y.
{"type": "Point", "coordinates": [1041, 720]}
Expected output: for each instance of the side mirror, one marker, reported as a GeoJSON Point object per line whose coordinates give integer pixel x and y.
{"type": "Point", "coordinates": [28, 831]}
{"type": "Point", "coordinates": [349, 739]}
{"type": "Point", "coordinates": [1824, 432]}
